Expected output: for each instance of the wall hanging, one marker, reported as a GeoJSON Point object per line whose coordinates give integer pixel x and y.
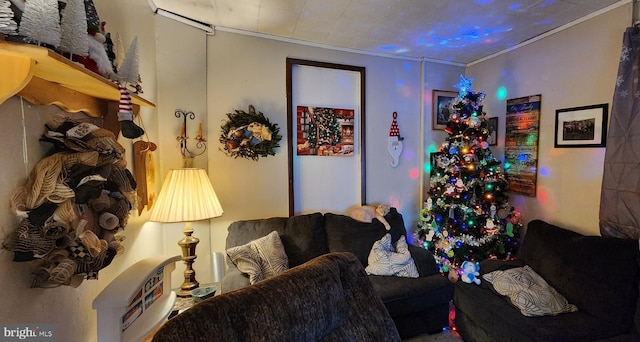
{"type": "Point", "coordinates": [73, 204]}
{"type": "Point", "coordinates": [521, 143]}
{"type": "Point", "coordinates": [394, 145]}
{"type": "Point", "coordinates": [249, 135]}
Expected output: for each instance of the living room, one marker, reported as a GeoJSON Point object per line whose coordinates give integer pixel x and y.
{"type": "Point", "coordinates": [182, 67]}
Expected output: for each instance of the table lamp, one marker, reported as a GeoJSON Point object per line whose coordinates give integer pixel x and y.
{"type": "Point", "coordinates": [186, 196]}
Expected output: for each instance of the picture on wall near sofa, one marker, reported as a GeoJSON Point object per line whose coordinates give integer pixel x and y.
{"type": "Point", "coordinates": [521, 143]}
{"type": "Point", "coordinates": [323, 131]}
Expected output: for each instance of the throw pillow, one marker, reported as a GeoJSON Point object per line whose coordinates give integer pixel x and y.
{"type": "Point", "coordinates": [261, 258]}
{"type": "Point", "coordinates": [384, 259]}
{"type": "Point", "coordinates": [529, 292]}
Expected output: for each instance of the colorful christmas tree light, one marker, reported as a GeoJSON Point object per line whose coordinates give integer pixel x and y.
{"type": "Point", "coordinates": [467, 216]}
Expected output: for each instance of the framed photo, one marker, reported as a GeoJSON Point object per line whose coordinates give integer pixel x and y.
{"type": "Point", "coordinates": [440, 111]}
{"type": "Point", "coordinates": [582, 126]}
{"type": "Point", "coordinates": [492, 139]}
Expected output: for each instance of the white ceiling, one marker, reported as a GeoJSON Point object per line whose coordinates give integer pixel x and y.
{"type": "Point", "coordinates": [456, 31]}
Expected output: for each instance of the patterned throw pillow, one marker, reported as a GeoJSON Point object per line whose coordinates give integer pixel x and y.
{"type": "Point", "coordinates": [261, 258]}
{"type": "Point", "coordinates": [529, 292]}
{"type": "Point", "coordinates": [384, 259]}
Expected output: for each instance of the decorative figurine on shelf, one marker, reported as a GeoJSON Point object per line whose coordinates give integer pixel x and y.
{"type": "Point", "coordinates": [125, 115]}
{"type": "Point", "coordinates": [394, 146]}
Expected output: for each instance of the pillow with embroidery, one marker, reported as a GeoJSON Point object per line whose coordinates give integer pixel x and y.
{"type": "Point", "coordinates": [385, 259]}
{"type": "Point", "coordinates": [529, 292]}
{"type": "Point", "coordinates": [261, 258]}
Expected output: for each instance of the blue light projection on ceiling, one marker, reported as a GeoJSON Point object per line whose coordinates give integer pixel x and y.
{"type": "Point", "coordinates": [471, 30]}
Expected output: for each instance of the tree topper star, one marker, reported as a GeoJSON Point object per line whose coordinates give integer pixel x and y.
{"type": "Point", "coordinates": [464, 86]}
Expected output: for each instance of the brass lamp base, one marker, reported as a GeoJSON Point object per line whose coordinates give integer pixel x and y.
{"type": "Point", "coordinates": [188, 245]}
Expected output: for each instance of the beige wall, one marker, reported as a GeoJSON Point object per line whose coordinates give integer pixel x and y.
{"type": "Point", "coordinates": [70, 309]}
{"type": "Point", "coordinates": [574, 67]}
{"type": "Point", "coordinates": [212, 75]}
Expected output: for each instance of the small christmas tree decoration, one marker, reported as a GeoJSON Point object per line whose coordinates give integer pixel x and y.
{"type": "Point", "coordinates": [125, 115]}
{"type": "Point", "coordinates": [128, 71]}
{"type": "Point", "coordinates": [7, 24]}
{"type": "Point", "coordinates": [467, 217]}
{"type": "Point", "coordinates": [40, 22]}
{"type": "Point", "coordinates": [73, 28]}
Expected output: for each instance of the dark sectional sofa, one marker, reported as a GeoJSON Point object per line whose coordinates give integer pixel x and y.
{"type": "Point", "coordinates": [417, 305]}
{"type": "Point", "coordinates": [337, 303]}
{"type": "Point", "coordinates": [600, 275]}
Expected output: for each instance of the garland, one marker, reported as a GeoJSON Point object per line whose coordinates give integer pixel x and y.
{"type": "Point", "coordinates": [249, 135]}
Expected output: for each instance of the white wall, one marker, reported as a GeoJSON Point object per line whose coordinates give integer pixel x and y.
{"type": "Point", "coordinates": [574, 67]}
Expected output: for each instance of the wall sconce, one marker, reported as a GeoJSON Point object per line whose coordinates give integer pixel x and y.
{"type": "Point", "coordinates": [201, 142]}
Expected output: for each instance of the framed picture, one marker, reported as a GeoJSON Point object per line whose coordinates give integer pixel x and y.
{"type": "Point", "coordinates": [582, 126]}
{"type": "Point", "coordinates": [492, 139]}
{"type": "Point", "coordinates": [440, 111]}
{"type": "Point", "coordinates": [324, 131]}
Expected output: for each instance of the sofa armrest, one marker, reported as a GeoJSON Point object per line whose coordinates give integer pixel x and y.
{"type": "Point", "coordinates": [233, 280]}
{"type": "Point", "coordinates": [425, 263]}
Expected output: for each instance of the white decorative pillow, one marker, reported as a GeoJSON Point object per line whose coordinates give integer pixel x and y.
{"type": "Point", "coordinates": [384, 259]}
{"type": "Point", "coordinates": [261, 258]}
{"type": "Point", "coordinates": [529, 292]}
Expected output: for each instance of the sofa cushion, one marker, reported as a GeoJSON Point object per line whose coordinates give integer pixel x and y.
{"type": "Point", "coordinates": [403, 296]}
{"type": "Point", "coordinates": [501, 321]}
{"type": "Point", "coordinates": [302, 236]}
{"type": "Point", "coordinates": [387, 259]}
{"type": "Point", "coordinates": [597, 274]}
{"type": "Point", "coordinates": [261, 258]}
{"type": "Point", "coordinates": [529, 292]}
{"type": "Point", "coordinates": [345, 234]}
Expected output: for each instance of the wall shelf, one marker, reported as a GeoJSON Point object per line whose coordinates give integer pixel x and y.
{"type": "Point", "coordinates": [43, 77]}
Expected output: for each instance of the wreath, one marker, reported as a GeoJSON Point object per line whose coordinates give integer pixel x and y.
{"type": "Point", "coordinates": [249, 135]}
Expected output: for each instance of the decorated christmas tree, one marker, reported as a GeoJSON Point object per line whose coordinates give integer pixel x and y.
{"type": "Point", "coordinates": [467, 216]}
{"type": "Point", "coordinates": [324, 127]}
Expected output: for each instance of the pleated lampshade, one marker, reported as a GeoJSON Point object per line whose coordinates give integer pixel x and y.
{"type": "Point", "coordinates": [186, 195]}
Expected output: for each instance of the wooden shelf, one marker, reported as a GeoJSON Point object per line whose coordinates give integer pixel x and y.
{"type": "Point", "coordinates": [44, 77]}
